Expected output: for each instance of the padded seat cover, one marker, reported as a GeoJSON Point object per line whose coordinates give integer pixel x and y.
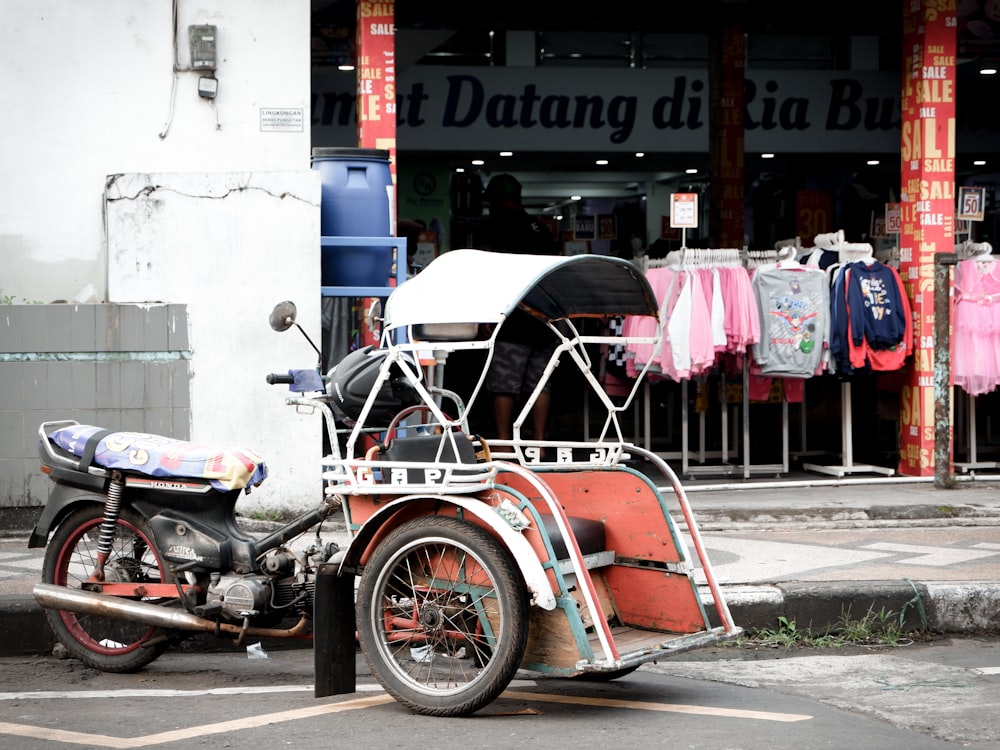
{"type": "Point", "coordinates": [226, 468]}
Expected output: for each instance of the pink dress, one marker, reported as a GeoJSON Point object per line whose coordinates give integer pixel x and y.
{"type": "Point", "coordinates": [976, 326]}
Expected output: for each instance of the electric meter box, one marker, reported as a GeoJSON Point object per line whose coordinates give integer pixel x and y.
{"type": "Point", "coordinates": [202, 40]}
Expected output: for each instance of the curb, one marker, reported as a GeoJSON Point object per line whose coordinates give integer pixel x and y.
{"type": "Point", "coordinates": [25, 625]}
{"type": "Point", "coordinates": [937, 607]}
{"type": "Point", "coordinates": [957, 608]}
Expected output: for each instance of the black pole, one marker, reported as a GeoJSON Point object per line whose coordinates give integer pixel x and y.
{"type": "Point", "coordinates": [334, 650]}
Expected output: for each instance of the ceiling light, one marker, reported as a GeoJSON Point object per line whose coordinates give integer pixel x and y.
{"type": "Point", "coordinates": [639, 154]}
{"type": "Point", "coordinates": [345, 68]}
{"type": "Point", "coordinates": [460, 169]}
{"type": "Point", "coordinates": [601, 162]}
{"type": "Point", "coordinates": [478, 162]}
{"type": "Point", "coordinates": [979, 163]}
{"type": "Point", "coordinates": [575, 197]}
{"type": "Point", "coordinates": [988, 71]}
{"type": "Point", "coordinates": [691, 170]}
{"type": "Point", "coordinates": [506, 153]}
{"type": "Point", "coordinates": [767, 156]}
{"type": "Point", "coordinates": [872, 162]}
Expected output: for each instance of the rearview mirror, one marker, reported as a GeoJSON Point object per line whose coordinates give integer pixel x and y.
{"type": "Point", "coordinates": [283, 316]}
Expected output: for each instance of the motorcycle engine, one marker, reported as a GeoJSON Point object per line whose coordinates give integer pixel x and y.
{"type": "Point", "coordinates": [240, 596]}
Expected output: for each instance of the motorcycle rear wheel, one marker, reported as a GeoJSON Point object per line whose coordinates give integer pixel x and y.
{"type": "Point", "coordinates": [104, 643]}
{"type": "Point", "coordinates": [442, 616]}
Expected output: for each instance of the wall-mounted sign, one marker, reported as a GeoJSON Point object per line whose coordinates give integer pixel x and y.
{"type": "Point", "coordinates": [281, 120]}
{"type": "Point", "coordinates": [583, 227]}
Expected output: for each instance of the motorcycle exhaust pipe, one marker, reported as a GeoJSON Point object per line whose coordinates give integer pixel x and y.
{"type": "Point", "coordinates": [50, 596]}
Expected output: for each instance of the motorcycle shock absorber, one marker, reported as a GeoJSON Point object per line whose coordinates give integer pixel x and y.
{"type": "Point", "coordinates": [112, 510]}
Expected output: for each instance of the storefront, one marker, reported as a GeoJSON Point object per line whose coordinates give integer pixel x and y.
{"type": "Point", "coordinates": [821, 154]}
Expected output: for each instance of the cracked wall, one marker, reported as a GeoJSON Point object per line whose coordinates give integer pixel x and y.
{"type": "Point", "coordinates": [229, 246]}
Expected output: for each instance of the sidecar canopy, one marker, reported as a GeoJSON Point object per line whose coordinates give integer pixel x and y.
{"type": "Point", "coordinates": [477, 286]}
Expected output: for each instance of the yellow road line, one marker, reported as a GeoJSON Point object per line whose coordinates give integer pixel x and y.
{"type": "Point", "coordinates": [103, 740]}
{"type": "Point", "coordinates": [126, 743]}
{"type": "Point", "coordinates": [677, 708]}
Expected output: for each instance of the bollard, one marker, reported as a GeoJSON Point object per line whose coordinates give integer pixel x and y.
{"type": "Point", "coordinates": [334, 632]}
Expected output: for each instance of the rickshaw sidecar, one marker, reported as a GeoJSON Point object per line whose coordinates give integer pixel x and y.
{"type": "Point", "coordinates": [480, 557]}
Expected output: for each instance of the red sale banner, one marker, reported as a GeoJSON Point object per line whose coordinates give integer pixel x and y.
{"type": "Point", "coordinates": [813, 214]}
{"type": "Point", "coordinates": [927, 209]}
{"type": "Point", "coordinates": [726, 150]}
{"type": "Point", "coordinates": [375, 70]}
{"type": "Point", "coordinates": [376, 78]}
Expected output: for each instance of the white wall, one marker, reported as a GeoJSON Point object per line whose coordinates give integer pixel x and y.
{"type": "Point", "coordinates": [214, 209]}
{"type": "Point", "coordinates": [231, 246]}
{"type": "Point", "coordinates": [87, 92]}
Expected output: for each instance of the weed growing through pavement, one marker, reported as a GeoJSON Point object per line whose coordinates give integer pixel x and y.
{"type": "Point", "coordinates": [876, 628]}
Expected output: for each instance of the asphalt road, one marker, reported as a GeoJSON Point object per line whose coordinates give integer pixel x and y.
{"type": "Point", "coordinates": [938, 694]}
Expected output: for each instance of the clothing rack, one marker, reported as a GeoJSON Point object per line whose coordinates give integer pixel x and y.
{"type": "Point", "coordinates": [690, 258]}
{"type": "Point", "coordinates": [702, 257]}
{"type": "Point", "coordinates": [969, 250]}
{"type": "Point", "coordinates": [848, 252]}
{"type": "Point", "coordinates": [970, 466]}
{"type": "Point", "coordinates": [754, 258]}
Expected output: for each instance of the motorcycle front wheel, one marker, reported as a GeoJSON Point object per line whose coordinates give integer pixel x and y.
{"type": "Point", "coordinates": [104, 643]}
{"type": "Point", "coordinates": [442, 616]}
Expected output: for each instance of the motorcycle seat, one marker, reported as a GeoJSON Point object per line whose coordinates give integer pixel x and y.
{"type": "Point", "coordinates": [224, 467]}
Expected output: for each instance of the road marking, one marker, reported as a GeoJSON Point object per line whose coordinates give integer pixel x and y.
{"type": "Point", "coordinates": [736, 560]}
{"type": "Point", "coordinates": [677, 708]}
{"type": "Point", "coordinates": [739, 560]}
{"type": "Point", "coordinates": [166, 693]}
{"type": "Point", "coordinates": [932, 556]}
{"type": "Point", "coordinates": [126, 743]}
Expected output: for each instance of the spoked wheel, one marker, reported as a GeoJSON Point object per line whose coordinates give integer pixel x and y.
{"type": "Point", "coordinates": [111, 645]}
{"type": "Point", "coordinates": [443, 616]}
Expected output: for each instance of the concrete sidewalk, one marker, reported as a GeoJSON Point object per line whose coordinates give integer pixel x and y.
{"type": "Point", "coordinates": [807, 549]}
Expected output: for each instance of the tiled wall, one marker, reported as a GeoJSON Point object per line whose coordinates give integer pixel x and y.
{"type": "Point", "coordinates": [116, 365]}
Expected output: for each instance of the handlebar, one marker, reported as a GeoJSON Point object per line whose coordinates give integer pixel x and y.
{"type": "Point", "coordinates": [280, 378]}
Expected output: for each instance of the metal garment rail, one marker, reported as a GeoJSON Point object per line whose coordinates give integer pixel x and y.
{"type": "Point", "coordinates": [692, 258]}
{"type": "Point", "coordinates": [848, 252]}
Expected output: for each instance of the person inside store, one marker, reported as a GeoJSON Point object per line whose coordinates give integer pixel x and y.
{"type": "Point", "coordinates": [524, 344]}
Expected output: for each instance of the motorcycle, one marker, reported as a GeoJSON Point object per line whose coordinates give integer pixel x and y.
{"type": "Point", "coordinates": [468, 558]}
{"type": "Point", "coordinates": [138, 556]}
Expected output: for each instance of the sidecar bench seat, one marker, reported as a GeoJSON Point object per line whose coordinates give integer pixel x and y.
{"type": "Point", "coordinates": [224, 467]}
{"type": "Point", "coordinates": [589, 535]}
{"type": "Point", "coordinates": [427, 448]}
{"type": "Point", "coordinates": [433, 458]}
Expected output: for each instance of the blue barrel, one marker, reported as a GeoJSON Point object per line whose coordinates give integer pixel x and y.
{"type": "Point", "coordinates": [356, 184]}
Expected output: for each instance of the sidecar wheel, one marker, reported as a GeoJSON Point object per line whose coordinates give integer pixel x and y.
{"type": "Point", "coordinates": [110, 645]}
{"type": "Point", "coordinates": [442, 616]}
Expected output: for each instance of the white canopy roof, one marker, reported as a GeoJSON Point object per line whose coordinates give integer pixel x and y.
{"type": "Point", "coordinates": [476, 286]}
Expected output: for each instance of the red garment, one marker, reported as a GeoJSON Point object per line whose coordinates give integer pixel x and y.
{"type": "Point", "coordinates": [883, 359]}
